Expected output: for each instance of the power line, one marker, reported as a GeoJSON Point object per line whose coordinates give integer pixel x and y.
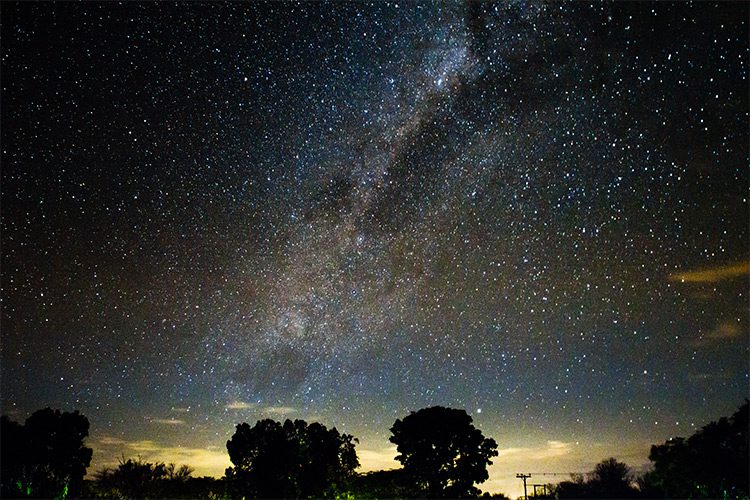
{"type": "Point", "coordinates": [529, 474]}
{"type": "Point", "coordinates": [524, 477]}
{"type": "Point", "coordinates": [554, 473]}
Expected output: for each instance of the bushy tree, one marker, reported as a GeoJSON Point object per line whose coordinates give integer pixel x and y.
{"type": "Point", "coordinates": [293, 459]}
{"type": "Point", "coordinates": [46, 456]}
{"type": "Point", "coordinates": [443, 454]}
{"type": "Point", "coordinates": [609, 479]}
{"type": "Point", "coordinates": [575, 488]}
{"type": "Point", "coordinates": [612, 479]}
{"type": "Point", "coordinates": [712, 463]}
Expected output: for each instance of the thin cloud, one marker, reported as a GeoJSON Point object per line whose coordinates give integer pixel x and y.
{"type": "Point", "coordinates": [713, 274]}
{"type": "Point", "coordinates": [279, 410]}
{"type": "Point", "coordinates": [210, 461]}
{"type": "Point", "coordinates": [378, 459]}
{"type": "Point", "coordinates": [167, 421]}
{"type": "Point", "coordinates": [142, 446]}
{"type": "Point", "coordinates": [553, 449]}
{"type": "Point", "coordinates": [110, 441]}
{"type": "Point", "coordinates": [240, 405]}
{"type": "Point", "coordinates": [725, 330]}
{"type": "Point", "coordinates": [508, 452]}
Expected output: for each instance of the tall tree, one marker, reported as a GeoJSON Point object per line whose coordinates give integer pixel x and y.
{"type": "Point", "coordinates": [443, 454]}
{"type": "Point", "coordinates": [712, 463]}
{"type": "Point", "coordinates": [295, 459]}
{"type": "Point", "coordinates": [45, 457]}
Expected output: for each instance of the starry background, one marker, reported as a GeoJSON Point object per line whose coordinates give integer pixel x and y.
{"type": "Point", "coordinates": [214, 213]}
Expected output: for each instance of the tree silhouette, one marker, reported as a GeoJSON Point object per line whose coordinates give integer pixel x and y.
{"type": "Point", "coordinates": [134, 478]}
{"type": "Point", "coordinates": [612, 479]}
{"type": "Point", "coordinates": [609, 479]}
{"type": "Point", "coordinates": [13, 476]}
{"type": "Point", "coordinates": [712, 463]}
{"type": "Point", "coordinates": [45, 457]}
{"type": "Point", "coordinates": [443, 454]}
{"type": "Point", "coordinates": [181, 473]}
{"type": "Point", "coordinates": [295, 459]}
{"type": "Point", "coordinates": [575, 488]}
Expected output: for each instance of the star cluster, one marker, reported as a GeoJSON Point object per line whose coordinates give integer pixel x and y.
{"type": "Point", "coordinates": [346, 211]}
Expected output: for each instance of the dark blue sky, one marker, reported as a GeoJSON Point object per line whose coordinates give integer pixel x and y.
{"type": "Point", "coordinates": [343, 212]}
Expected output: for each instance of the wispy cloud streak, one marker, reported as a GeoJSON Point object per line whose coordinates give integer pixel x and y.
{"type": "Point", "coordinates": [713, 274]}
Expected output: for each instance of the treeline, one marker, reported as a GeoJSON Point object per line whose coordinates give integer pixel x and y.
{"type": "Point", "coordinates": [443, 455]}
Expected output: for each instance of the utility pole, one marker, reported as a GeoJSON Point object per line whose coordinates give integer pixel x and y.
{"type": "Point", "coordinates": [524, 477]}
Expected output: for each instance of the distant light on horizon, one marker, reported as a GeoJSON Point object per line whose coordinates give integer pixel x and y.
{"type": "Point", "coordinates": [228, 212]}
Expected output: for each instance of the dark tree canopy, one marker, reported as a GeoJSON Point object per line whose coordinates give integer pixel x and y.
{"type": "Point", "coordinates": [612, 479]}
{"type": "Point", "coordinates": [609, 479]}
{"type": "Point", "coordinates": [575, 488]}
{"type": "Point", "coordinates": [443, 454]}
{"type": "Point", "coordinates": [712, 463]}
{"type": "Point", "coordinates": [295, 459]}
{"type": "Point", "coordinates": [45, 457]}
{"type": "Point", "coordinates": [12, 459]}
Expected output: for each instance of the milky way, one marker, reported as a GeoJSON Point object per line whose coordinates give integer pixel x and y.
{"type": "Point", "coordinates": [534, 211]}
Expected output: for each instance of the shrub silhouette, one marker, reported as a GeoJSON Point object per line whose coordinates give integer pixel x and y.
{"type": "Point", "coordinates": [293, 460]}
{"type": "Point", "coordinates": [443, 454]}
{"type": "Point", "coordinates": [712, 463]}
{"type": "Point", "coordinates": [45, 457]}
{"type": "Point", "coordinates": [135, 478]}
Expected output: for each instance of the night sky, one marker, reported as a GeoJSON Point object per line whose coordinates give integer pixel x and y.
{"type": "Point", "coordinates": [215, 213]}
